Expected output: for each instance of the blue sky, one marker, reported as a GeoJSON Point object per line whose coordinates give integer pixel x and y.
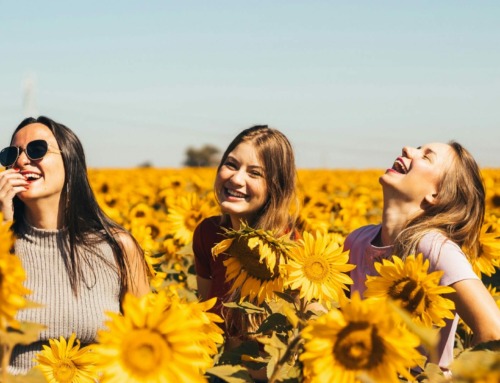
{"type": "Point", "coordinates": [349, 82]}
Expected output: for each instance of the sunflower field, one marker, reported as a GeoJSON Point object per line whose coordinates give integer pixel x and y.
{"type": "Point", "coordinates": [305, 328]}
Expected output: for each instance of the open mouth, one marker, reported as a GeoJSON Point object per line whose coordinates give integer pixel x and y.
{"type": "Point", "coordinates": [399, 166]}
{"type": "Point", "coordinates": [30, 177]}
{"type": "Point", "coordinates": [234, 193]}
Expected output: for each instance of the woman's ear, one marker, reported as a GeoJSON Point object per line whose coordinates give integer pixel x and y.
{"type": "Point", "coordinates": [430, 199]}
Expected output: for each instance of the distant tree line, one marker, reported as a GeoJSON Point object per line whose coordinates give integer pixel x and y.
{"type": "Point", "coordinates": [207, 155]}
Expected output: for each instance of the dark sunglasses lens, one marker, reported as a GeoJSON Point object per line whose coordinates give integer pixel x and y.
{"type": "Point", "coordinates": [8, 156]}
{"type": "Point", "coordinates": [37, 149]}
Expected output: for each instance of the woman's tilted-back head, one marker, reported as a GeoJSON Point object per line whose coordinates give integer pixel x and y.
{"type": "Point", "coordinates": [458, 207]}
{"type": "Point", "coordinates": [275, 154]}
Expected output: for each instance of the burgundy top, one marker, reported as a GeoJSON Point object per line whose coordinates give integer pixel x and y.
{"type": "Point", "coordinates": [206, 235]}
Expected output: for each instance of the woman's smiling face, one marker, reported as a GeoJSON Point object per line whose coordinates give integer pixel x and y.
{"type": "Point", "coordinates": [240, 184]}
{"type": "Point", "coordinates": [46, 176]}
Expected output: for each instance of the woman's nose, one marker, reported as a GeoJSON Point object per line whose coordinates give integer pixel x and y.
{"type": "Point", "coordinates": [22, 159]}
{"type": "Point", "coordinates": [238, 177]}
{"type": "Point", "coordinates": [408, 151]}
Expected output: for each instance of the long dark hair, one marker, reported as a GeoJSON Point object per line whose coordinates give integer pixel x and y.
{"type": "Point", "coordinates": [84, 220]}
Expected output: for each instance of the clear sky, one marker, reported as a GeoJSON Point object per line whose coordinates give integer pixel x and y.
{"type": "Point", "coordinates": [349, 82]}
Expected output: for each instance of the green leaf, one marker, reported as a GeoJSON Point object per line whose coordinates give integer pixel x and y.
{"type": "Point", "coordinates": [247, 307]}
{"type": "Point", "coordinates": [33, 376]}
{"type": "Point", "coordinates": [493, 345]}
{"type": "Point", "coordinates": [285, 296]}
{"type": "Point", "coordinates": [275, 322]}
{"type": "Point", "coordinates": [231, 374]}
{"type": "Point", "coordinates": [233, 356]}
{"type": "Point", "coordinates": [27, 333]}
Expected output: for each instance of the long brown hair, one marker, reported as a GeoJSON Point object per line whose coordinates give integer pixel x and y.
{"type": "Point", "coordinates": [458, 211]}
{"type": "Point", "coordinates": [276, 154]}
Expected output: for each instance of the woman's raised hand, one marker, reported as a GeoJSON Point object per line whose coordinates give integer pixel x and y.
{"type": "Point", "coordinates": [11, 183]}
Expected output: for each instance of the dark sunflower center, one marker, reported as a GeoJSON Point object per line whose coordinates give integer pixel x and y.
{"type": "Point", "coordinates": [192, 220]}
{"type": "Point", "coordinates": [410, 293]}
{"type": "Point", "coordinates": [155, 231]}
{"type": "Point", "coordinates": [359, 347]}
{"type": "Point", "coordinates": [249, 260]}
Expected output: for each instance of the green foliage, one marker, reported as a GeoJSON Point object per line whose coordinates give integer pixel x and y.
{"type": "Point", "coordinates": [207, 155]}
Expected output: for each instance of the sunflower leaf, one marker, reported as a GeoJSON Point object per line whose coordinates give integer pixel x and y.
{"type": "Point", "coordinates": [275, 322]}
{"type": "Point", "coordinates": [33, 376]}
{"type": "Point", "coordinates": [285, 296]}
{"type": "Point", "coordinates": [231, 374]}
{"type": "Point", "coordinates": [245, 306]}
{"type": "Point", "coordinates": [27, 333]}
{"type": "Point", "coordinates": [493, 345]}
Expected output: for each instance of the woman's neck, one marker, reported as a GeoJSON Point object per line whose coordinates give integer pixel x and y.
{"type": "Point", "coordinates": [395, 216]}
{"type": "Point", "coordinates": [44, 216]}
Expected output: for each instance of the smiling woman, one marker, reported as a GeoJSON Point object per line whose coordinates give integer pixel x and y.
{"type": "Point", "coordinates": [78, 262]}
{"type": "Point", "coordinates": [255, 186]}
{"type": "Point", "coordinates": [434, 205]}
{"type": "Point", "coordinates": [255, 183]}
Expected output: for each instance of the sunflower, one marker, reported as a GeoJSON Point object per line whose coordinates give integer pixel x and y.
{"type": "Point", "coordinates": [213, 333]}
{"type": "Point", "coordinates": [317, 267]}
{"type": "Point", "coordinates": [418, 291]}
{"type": "Point", "coordinates": [256, 262]}
{"type": "Point", "coordinates": [66, 362]}
{"type": "Point", "coordinates": [155, 340]}
{"type": "Point", "coordinates": [185, 214]}
{"type": "Point", "coordinates": [363, 337]}
{"type": "Point", "coordinates": [152, 255]}
{"type": "Point", "coordinates": [12, 276]}
{"type": "Point", "coordinates": [489, 254]}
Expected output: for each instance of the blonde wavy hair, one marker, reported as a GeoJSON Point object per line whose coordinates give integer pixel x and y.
{"type": "Point", "coordinates": [458, 211]}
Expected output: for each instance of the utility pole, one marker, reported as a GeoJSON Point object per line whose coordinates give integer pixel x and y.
{"type": "Point", "coordinates": [30, 108]}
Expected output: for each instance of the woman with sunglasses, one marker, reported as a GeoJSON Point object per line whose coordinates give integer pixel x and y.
{"type": "Point", "coordinates": [79, 263]}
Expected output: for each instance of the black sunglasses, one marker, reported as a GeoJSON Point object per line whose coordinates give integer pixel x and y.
{"type": "Point", "coordinates": [35, 150]}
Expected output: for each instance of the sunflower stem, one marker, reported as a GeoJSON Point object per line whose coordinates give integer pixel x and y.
{"type": "Point", "coordinates": [292, 348]}
{"type": "Point", "coordinates": [5, 361]}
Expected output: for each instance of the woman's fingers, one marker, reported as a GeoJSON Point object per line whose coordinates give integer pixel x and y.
{"type": "Point", "coordinates": [11, 183]}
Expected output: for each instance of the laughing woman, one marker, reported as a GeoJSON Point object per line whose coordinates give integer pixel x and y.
{"type": "Point", "coordinates": [255, 183]}
{"type": "Point", "coordinates": [434, 204]}
{"type": "Point", "coordinates": [78, 263]}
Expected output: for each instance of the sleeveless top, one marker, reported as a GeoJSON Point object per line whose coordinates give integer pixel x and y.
{"type": "Point", "coordinates": [63, 313]}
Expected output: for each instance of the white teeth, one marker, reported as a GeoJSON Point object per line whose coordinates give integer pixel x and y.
{"type": "Point", "coordinates": [32, 176]}
{"type": "Point", "coordinates": [400, 167]}
{"type": "Point", "coordinates": [234, 193]}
